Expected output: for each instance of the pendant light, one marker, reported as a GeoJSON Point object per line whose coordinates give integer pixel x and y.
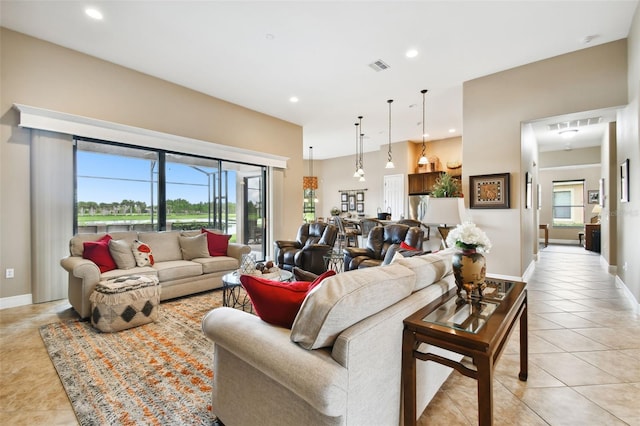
{"type": "Point", "coordinates": [423, 156]}
{"type": "Point", "coordinates": [389, 160]}
{"type": "Point", "coordinates": [310, 182]}
{"type": "Point", "coordinates": [355, 173]}
{"type": "Point", "coordinates": [361, 161]}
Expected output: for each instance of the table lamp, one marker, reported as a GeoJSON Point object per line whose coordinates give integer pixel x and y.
{"type": "Point", "coordinates": [444, 212]}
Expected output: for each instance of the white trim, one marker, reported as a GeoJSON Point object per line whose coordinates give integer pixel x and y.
{"type": "Point", "coordinates": [14, 301]}
{"type": "Point", "coordinates": [54, 121]}
{"type": "Point", "coordinates": [627, 292]}
{"type": "Point", "coordinates": [505, 277]}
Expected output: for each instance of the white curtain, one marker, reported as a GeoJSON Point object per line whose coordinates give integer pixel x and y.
{"type": "Point", "coordinates": [51, 212]}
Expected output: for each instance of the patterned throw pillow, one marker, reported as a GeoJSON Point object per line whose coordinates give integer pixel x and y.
{"type": "Point", "coordinates": [142, 252]}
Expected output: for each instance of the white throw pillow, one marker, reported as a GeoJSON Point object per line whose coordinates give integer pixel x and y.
{"type": "Point", "coordinates": [143, 254]}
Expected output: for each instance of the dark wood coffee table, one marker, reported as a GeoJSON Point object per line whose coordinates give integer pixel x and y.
{"type": "Point", "coordinates": [478, 329]}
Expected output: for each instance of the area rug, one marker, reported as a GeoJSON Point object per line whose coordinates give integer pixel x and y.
{"type": "Point", "coordinates": [155, 374]}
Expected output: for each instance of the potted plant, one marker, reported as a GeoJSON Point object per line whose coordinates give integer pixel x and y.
{"type": "Point", "coordinates": [446, 186]}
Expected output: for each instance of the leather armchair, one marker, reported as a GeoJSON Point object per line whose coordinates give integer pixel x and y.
{"type": "Point", "coordinates": [313, 242]}
{"type": "Point", "coordinates": [380, 239]}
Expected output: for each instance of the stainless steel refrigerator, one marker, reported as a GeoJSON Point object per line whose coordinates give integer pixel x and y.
{"type": "Point", "coordinates": [417, 207]}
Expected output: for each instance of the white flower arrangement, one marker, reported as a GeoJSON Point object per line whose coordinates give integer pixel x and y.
{"type": "Point", "coordinates": [468, 236]}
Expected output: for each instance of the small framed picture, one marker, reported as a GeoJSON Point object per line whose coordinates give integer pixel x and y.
{"type": "Point", "coordinates": [343, 197]}
{"type": "Point", "coordinates": [345, 207]}
{"type": "Point", "coordinates": [352, 202]}
{"type": "Point", "coordinates": [359, 197]}
{"type": "Point", "coordinates": [489, 191]}
{"type": "Point", "coordinates": [624, 181]}
{"type": "Point", "coordinates": [360, 207]}
{"type": "Point", "coordinates": [593, 196]}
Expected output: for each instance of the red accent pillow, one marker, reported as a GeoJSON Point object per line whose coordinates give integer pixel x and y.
{"type": "Point", "coordinates": [278, 302]}
{"type": "Point", "coordinates": [98, 253]}
{"type": "Point", "coordinates": [217, 243]}
{"type": "Point", "coordinates": [406, 246]}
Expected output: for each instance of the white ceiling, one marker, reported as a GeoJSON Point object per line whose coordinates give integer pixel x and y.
{"type": "Point", "coordinates": [258, 54]}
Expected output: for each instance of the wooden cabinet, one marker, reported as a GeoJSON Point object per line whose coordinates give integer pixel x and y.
{"type": "Point", "coordinates": [421, 183]}
{"type": "Point", "coordinates": [592, 237]}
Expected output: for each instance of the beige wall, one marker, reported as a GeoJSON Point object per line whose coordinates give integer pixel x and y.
{"type": "Point", "coordinates": [494, 108]}
{"type": "Point", "coordinates": [628, 146]}
{"type": "Point", "coordinates": [41, 74]}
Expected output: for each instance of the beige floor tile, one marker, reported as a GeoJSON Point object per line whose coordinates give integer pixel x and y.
{"type": "Point", "coordinates": [616, 338]}
{"type": "Point", "coordinates": [569, 340]}
{"type": "Point", "coordinates": [569, 320]}
{"type": "Point", "coordinates": [565, 406]}
{"type": "Point", "coordinates": [620, 400]}
{"type": "Point", "coordinates": [616, 363]}
{"type": "Point", "coordinates": [571, 370]}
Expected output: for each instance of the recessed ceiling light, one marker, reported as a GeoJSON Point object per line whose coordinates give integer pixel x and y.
{"type": "Point", "coordinates": [293, 99]}
{"type": "Point", "coordinates": [93, 13]}
{"type": "Point", "coordinates": [411, 53]}
{"type": "Point", "coordinates": [568, 134]}
{"type": "Point", "coordinates": [452, 130]}
{"type": "Point", "coordinates": [269, 36]}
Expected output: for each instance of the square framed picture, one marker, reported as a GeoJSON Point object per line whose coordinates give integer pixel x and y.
{"type": "Point", "coordinates": [343, 197]}
{"type": "Point", "coordinates": [359, 197]}
{"type": "Point", "coordinates": [624, 181]}
{"type": "Point", "coordinates": [345, 207]}
{"type": "Point", "coordinates": [360, 207]}
{"type": "Point", "coordinates": [593, 196]}
{"type": "Point", "coordinates": [489, 191]}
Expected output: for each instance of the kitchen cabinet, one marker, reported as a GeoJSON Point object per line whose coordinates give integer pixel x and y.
{"type": "Point", "coordinates": [422, 183]}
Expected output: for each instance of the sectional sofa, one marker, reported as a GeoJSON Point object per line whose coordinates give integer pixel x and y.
{"type": "Point", "coordinates": [181, 262]}
{"type": "Point", "coordinates": [340, 363]}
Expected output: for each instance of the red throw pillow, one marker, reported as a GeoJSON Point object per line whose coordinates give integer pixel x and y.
{"type": "Point", "coordinates": [98, 253]}
{"type": "Point", "coordinates": [278, 302]}
{"type": "Point", "coordinates": [217, 243]}
{"type": "Point", "coordinates": [406, 246]}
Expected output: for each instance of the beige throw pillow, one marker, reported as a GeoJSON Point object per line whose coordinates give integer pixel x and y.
{"type": "Point", "coordinates": [342, 300]}
{"type": "Point", "coordinates": [194, 247]}
{"type": "Point", "coordinates": [121, 253]}
{"type": "Point", "coordinates": [429, 268]}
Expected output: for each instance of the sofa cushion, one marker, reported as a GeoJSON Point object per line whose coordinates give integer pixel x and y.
{"type": "Point", "coordinates": [142, 253]}
{"type": "Point", "coordinates": [98, 253]}
{"type": "Point", "coordinates": [217, 243]}
{"type": "Point", "coordinates": [278, 302]}
{"type": "Point", "coordinates": [217, 264]}
{"type": "Point", "coordinates": [347, 298]}
{"type": "Point", "coordinates": [164, 244]}
{"type": "Point", "coordinates": [177, 269]}
{"type": "Point", "coordinates": [121, 252]}
{"type": "Point", "coordinates": [429, 268]}
{"type": "Point", "coordinates": [193, 247]}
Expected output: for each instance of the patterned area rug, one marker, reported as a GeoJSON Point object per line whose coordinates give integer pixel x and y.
{"type": "Point", "coordinates": [155, 374]}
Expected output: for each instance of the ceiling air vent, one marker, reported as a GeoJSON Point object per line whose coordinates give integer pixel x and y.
{"type": "Point", "coordinates": [379, 65]}
{"type": "Point", "coordinates": [575, 123]}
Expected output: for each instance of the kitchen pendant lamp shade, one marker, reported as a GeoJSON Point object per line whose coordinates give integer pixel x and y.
{"type": "Point", "coordinates": [389, 157]}
{"type": "Point", "coordinates": [311, 181]}
{"type": "Point", "coordinates": [423, 156]}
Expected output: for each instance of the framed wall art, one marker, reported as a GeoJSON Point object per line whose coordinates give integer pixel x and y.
{"type": "Point", "coordinates": [624, 181]}
{"type": "Point", "coordinates": [593, 196]}
{"type": "Point", "coordinates": [489, 191]}
{"type": "Point", "coordinates": [359, 197]}
{"type": "Point", "coordinates": [343, 197]}
{"type": "Point", "coordinates": [352, 202]}
{"type": "Point", "coordinates": [345, 207]}
{"type": "Point", "coordinates": [360, 207]}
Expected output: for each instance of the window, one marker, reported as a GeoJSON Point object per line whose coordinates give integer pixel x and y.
{"type": "Point", "coordinates": [568, 203]}
{"type": "Point", "coordinates": [123, 188]}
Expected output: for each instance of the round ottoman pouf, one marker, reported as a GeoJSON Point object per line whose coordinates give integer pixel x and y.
{"type": "Point", "coordinates": [125, 302]}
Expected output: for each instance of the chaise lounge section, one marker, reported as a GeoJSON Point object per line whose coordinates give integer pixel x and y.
{"type": "Point", "coordinates": [182, 262]}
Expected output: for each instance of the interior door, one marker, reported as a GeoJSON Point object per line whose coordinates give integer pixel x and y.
{"type": "Point", "coordinates": [394, 196]}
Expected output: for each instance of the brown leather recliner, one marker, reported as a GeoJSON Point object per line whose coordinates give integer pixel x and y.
{"type": "Point", "coordinates": [307, 252]}
{"type": "Point", "coordinates": [380, 239]}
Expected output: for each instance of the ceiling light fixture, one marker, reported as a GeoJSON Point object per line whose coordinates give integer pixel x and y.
{"type": "Point", "coordinates": [411, 53]}
{"type": "Point", "coordinates": [389, 161]}
{"type": "Point", "coordinates": [293, 99]}
{"type": "Point", "coordinates": [361, 163]}
{"type": "Point", "coordinates": [423, 156]}
{"type": "Point", "coordinates": [568, 134]}
{"type": "Point", "coordinates": [94, 13]}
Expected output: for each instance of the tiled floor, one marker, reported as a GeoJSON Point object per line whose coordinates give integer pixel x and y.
{"type": "Point", "coordinates": [584, 357]}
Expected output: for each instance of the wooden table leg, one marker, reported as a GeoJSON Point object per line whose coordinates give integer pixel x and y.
{"type": "Point", "coordinates": [484, 365]}
{"type": "Point", "coordinates": [409, 377]}
{"type": "Point", "coordinates": [524, 344]}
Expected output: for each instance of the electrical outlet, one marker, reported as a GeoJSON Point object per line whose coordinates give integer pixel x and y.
{"type": "Point", "coordinates": [9, 273]}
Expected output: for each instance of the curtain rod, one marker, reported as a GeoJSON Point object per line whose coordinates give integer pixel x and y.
{"type": "Point", "coordinates": [353, 190]}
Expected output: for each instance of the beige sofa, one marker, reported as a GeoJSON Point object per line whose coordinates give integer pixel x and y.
{"type": "Point", "coordinates": [340, 364]}
{"type": "Point", "coordinates": [177, 276]}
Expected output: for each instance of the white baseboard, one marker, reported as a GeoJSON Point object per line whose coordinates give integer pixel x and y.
{"type": "Point", "coordinates": [627, 292]}
{"type": "Point", "coordinates": [13, 301]}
